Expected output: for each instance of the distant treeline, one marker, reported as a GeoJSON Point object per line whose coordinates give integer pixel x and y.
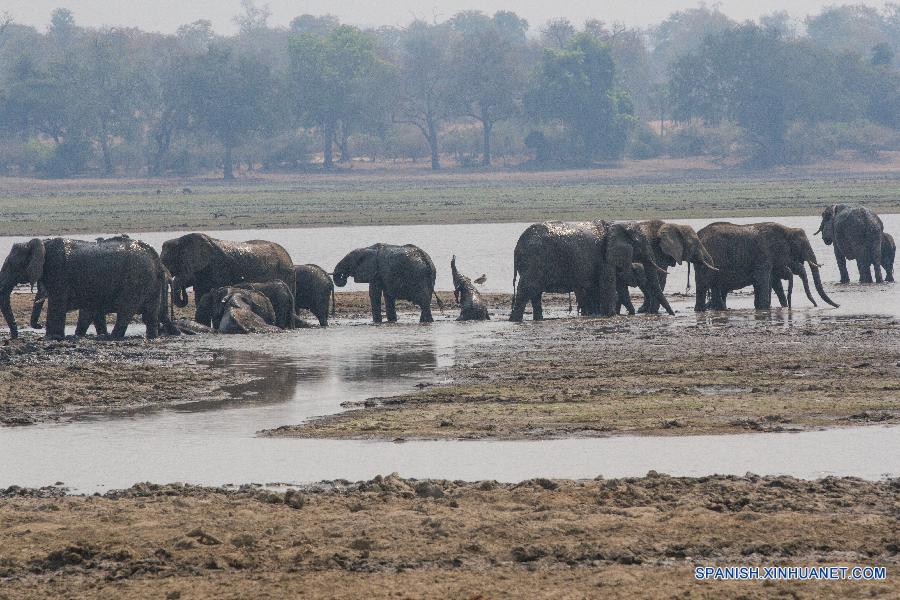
{"type": "Point", "coordinates": [471, 90]}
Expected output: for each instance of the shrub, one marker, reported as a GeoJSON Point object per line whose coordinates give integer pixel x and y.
{"type": "Point", "coordinates": [643, 143]}
{"type": "Point", "coordinates": [67, 159]}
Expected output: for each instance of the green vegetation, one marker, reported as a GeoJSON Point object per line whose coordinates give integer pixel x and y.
{"type": "Point", "coordinates": [390, 199]}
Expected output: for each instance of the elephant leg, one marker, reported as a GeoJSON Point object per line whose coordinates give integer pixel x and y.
{"type": "Point", "coordinates": [862, 265]}
{"type": "Point", "coordinates": [653, 303]}
{"type": "Point", "coordinates": [537, 310]}
{"type": "Point", "coordinates": [426, 317]}
{"type": "Point", "coordinates": [56, 318]}
{"type": "Point", "coordinates": [100, 323]}
{"type": "Point", "coordinates": [85, 319]}
{"type": "Point", "coordinates": [875, 253]}
{"type": "Point", "coordinates": [623, 298]}
{"type": "Point", "coordinates": [390, 307]}
{"type": "Point", "coordinates": [778, 288]}
{"type": "Point", "coordinates": [842, 265]}
{"type": "Point", "coordinates": [375, 300]}
{"type": "Point", "coordinates": [123, 318]}
{"type": "Point", "coordinates": [762, 289]}
{"type": "Point", "coordinates": [520, 299]}
{"type": "Point", "coordinates": [700, 292]}
{"type": "Point", "coordinates": [322, 315]}
{"type": "Point", "coordinates": [150, 317]}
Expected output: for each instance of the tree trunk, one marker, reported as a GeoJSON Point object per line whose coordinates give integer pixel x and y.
{"type": "Point", "coordinates": [486, 126]}
{"type": "Point", "coordinates": [433, 143]}
{"type": "Point", "coordinates": [328, 134]}
{"type": "Point", "coordinates": [107, 154]}
{"type": "Point", "coordinates": [227, 169]}
{"type": "Point", "coordinates": [345, 142]}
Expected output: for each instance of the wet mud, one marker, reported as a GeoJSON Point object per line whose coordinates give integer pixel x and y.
{"type": "Point", "coordinates": [637, 537]}
{"type": "Point", "coordinates": [739, 371]}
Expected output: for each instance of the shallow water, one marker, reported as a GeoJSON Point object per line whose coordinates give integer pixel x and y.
{"type": "Point", "coordinates": [306, 373]}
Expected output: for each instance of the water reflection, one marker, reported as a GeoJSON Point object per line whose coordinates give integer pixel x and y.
{"type": "Point", "coordinates": [383, 363]}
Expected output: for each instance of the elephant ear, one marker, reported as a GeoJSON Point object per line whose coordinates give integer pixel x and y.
{"type": "Point", "coordinates": [671, 242]}
{"type": "Point", "coordinates": [35, 267]}
{"type": "Point", "coordinates": [366, 267]}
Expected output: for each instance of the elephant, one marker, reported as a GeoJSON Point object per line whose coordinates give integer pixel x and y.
{"type": "Point", "coordinates": [118, 275]}
{"type": "Point", "coordinates": [246, 311]}
{"type": "Point", "coordinates": [204, 263]}
{"type": "Point", "coordinates": [856, 233]}
{"type": "Point", "coordinates": [888, 251]}
{"type": "Point", "coordinates": [672, 243]}
{"type": "Point", "coordinates": [754, 255]}
{"type": "Point", "coordinates": [577, 257]}
{"type": "Point", "coordinates": [212, 304]}
{"type": "Point", "coordinates": [396, 272]}
{"type": "Point", "coordinates": [472, 307]}
{"type": "Point", "coordinates": [85, 318]}
{"type": "Point", "coordinates": [313, 290]}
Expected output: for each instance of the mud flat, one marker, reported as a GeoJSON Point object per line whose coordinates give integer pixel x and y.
{"type": "Point", "coordinates": [389, 536]}
{"type": "Point", "coordinates": [41, 381]}
{"type": "Point", "coordinates": [694, 374]}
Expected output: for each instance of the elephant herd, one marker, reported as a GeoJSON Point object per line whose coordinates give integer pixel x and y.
{"type": "Point", "coordinates": [242, 287]}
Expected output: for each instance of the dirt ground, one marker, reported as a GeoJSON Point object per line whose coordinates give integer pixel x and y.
{"type": "Point", "coordinates": [391, 537]}
{"type": "Point", "coordinates": [694, 374]}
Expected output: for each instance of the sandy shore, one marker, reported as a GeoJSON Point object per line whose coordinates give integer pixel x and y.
{"type": "Point", "coordinates": [392, 537]}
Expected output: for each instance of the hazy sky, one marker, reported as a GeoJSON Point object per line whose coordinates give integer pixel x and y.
{"type": "Point", "coordinates": [167, 15]}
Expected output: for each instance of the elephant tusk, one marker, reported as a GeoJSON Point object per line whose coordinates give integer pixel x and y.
{"type": "Point", "coordinates": [710, 267]}
{"type": "Point", "coordinates": [818, 231]}
{"type": "Point", "coordinates": [816, 265]}
{"type": "Point", "coordinates": [661, 270]}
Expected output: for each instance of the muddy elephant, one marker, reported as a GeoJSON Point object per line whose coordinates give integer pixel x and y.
{"type": "Point", "coordinates": [212, 304]}
{"type": "Point", "coordinates": [396, 272]}
{"type": "Point", "coordinates": [246, 311]}
{"type": "Point", "coordinates": [754, 255]}
{"type": "Point", "coordinates": [123, 276]}
{"type": "Point", "coordinates": [888, 252]}
{"type": "Point", "coordinates": [313, 291]}
{"type": "Point", "coordinates": [471, 305]}
{"type": "Point", "coordinates": [205, 263]}
{"type": "Point", "coordinates": [583, 258]}
{"type": "Point", "coordinates": [672, 244]}
{"type": "Point", "coordinates": [856, 233]}
{"type": "Point", "coordinates": [636, 276]}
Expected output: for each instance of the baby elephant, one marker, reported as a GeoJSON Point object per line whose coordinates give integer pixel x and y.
{"type": "Point", "coordinates": [633, 277]}
{"type": "Point", "coordinates": [246, 311]}
{"type": "Point", "coordinates": [888, 252]}
{"type": "Point", "coordinates": [472, 307]}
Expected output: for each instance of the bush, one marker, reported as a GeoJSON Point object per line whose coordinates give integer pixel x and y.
{"type": "Point", "coordinates": [68, 158]}
{"type": "Point", "coordinates": [288, 151]}
{"type": "Point", "coordinates": [18, 157]}
{"type": "Point", "coordinates": [464, 144]}
{"type": "Point", "coordinates": [698, 140]}
{"type": "Point", "coordinates": [643, 143]}
{"type": "Point", "coordinates": [805, 141]}
{"type": "Point", "coordinates": [405, 142]}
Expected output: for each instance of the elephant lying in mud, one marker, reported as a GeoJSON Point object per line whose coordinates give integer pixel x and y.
{"type": "Point", "coordinates": [856, 233]}
{"type": "Point", "coordinates": [212, 304]}
{"type": "Point", "coordinates": [205, 263]}
{"type": "Point", "coordinates": [472, 307]}
{"type": "Point", "coordinates": [395, 272]}
{"type": "Point", "coordinates": [755, 254]}
{"type": "Point", "coordinates": [117, 275]}
{"type": "Point", "coordinates": [246, 311]}
{"type": "Point", "coordinates": [313, 291]}
{"type": "Point", "coordinates": [578, 257]}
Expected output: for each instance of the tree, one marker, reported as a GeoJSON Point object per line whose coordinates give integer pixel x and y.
{"type": "Point", "coordinates": [227, 97]}
{"type": "Point", "coordinates": [330, 76]}
{"type": "Point", "coordinates": [576, 86]}
{"type": "Point", "coordinates": [488, 80]}
{"type": "Point", "coordinates": [253, 18]}
{"type": "Point", "coordinates": [316, 25]}
{"type": "Point", "coordinates": [424, 96]}
{"type": "Point", "coordinates": [556, 33]}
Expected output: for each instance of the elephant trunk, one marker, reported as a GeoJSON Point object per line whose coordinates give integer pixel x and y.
{"type": "Point", "coordinates": [805, 280]}
{"type": "Point", "coordinates": [36, 313]}
{"type": "Point", "coordinates": [179, 293]}
{"type": "Point", "coordinates": [818, 281]}
{"type": "Point", "coordinates": [340, 279]}
{"type": "Point", "coordinates": [6, 308]}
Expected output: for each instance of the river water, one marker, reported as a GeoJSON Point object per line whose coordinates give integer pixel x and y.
{"type": "Point", "coordinates": [307, 373]}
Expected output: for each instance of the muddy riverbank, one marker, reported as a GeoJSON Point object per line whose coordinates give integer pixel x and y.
{"type": "Point", "coordinates": [741, 371]}
{"type": "Point", "coordinates": [639, 537]}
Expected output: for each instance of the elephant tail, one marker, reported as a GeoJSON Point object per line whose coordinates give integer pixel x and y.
{"type": "Point", "coordinates": [515, 274]}
{"type": "Point", "coordinates": [688, 287]}
{"type": "Point", "coordinates": [438, 298]}
{"type": "Point", "coordinates": [333, 310]}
